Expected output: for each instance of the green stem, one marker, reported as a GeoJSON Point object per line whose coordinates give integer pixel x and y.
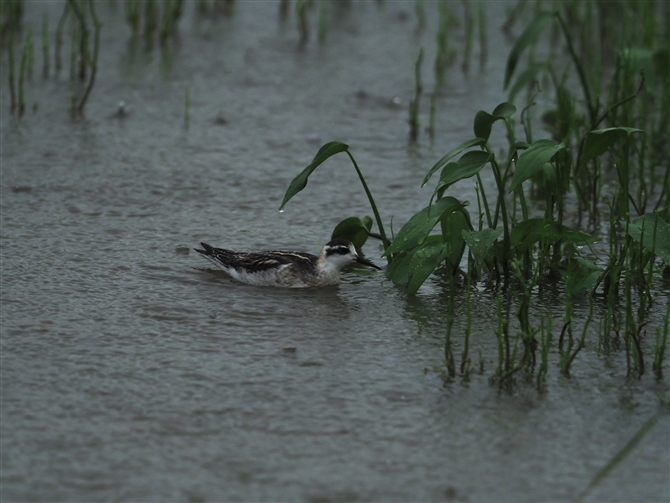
{"type": "Point", "coordinates": [45, 46]}
{"type": "Point", "coordinates": [380, 226]}
{"type": "Point", "coordinates": [623, 452]}
{"type": "Point", "coordinates": [12, 83]}
{"type": "Point", "coordinates": [485, 202]}
{"type": "Point", "coordinates": [503, 210]}
{"type": "Point", "coordinates": [59, 38]}
{"type": "Point", "coordinates": [94, 63]}
{"type": "Point", "coordinates": [22, 76]}
{"type": "Point", "coordinates": [578, 66]}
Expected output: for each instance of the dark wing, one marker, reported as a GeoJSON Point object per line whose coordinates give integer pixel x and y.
{"type": "Point", "coordinates": [256, 261]}
{"type": "Point", "coordinates": [302, 260]}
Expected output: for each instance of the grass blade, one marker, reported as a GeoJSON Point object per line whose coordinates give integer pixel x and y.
{"type": "Point", "coordinates": [527, 38]}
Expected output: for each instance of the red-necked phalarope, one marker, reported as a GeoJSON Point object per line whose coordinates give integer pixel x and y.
{"type": "Point", "coordinates": [287, 268]}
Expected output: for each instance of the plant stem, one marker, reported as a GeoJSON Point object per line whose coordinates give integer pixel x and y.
{"type": "Point", "coordinates": [45, 46]}
{"type": "Point", "coordinates": [59, 38]}
{"type": "Point", "coordinates": [12, 79]}
{"type": "Point", "coordinates": [580, 70]}
{"type": "Point", "coordinates": [380, 226]}
{"type": "Point", "coordinates": [97, 25]}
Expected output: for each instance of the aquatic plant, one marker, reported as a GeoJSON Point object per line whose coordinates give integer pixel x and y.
{"type": "Point", "coordinates": [58, 62]}
{"type": "Point", "coordinates": [45, 46]}
{"type": "Point", "coordinates": [23, 70]}
{"type": "Point", "coordinates": [622, 453]}
{"type": "Point", "coordinates": [301, 7]}
{"type": "Point", "coordinates": [661, 344]}
{"type": "Point", "coordinates": [86, 59]}
{"type": "Point", "coordinates": [324, 153]}
{"type": "Point", "coordinates": [187, 107]}
{"type": "Point", "coordinates": [517, 252]}
{"type": "Point", "coordinates": [150, 19]}
{"type": "Point", "coordinates": [10, 73]}
{"type": "Point", "coordinates": [414, 103]}
{"type": "Point", "coordinates": [11, 18]}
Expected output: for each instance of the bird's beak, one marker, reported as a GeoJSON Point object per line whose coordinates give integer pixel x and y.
{"type": "Point", "coordinates": [363, 261]}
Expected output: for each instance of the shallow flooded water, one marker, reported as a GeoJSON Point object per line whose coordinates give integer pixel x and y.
{"type": "Point", "coordinates": [132, 372]}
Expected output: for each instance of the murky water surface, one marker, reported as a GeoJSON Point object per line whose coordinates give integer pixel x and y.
{"type": "Point", "coordinates": [130, 372]}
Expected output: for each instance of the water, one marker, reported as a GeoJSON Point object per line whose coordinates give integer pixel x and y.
{"type": "Point", "coordinates": [130, 372]}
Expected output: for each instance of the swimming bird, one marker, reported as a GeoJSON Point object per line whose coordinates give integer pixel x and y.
{"type": "Point", "coordinates": [287, 269]}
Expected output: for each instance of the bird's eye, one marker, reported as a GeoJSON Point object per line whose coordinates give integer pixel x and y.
{"type": "Point", "coordinates": [338, 250]}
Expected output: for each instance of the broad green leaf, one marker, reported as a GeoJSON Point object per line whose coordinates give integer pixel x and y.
{"type": "Point", "coordinates": [533, 160]}
{"type": "Point", "coordinates": [468, 165]}
{"type": "Point", "coordinates": [526, 77]}
{"type": "Point", "coordinates": [536, 230]}
{"type": "Point", "coordinates": [367, 222]}
{"type": "Point", "coordinates": [565, 113]}
{"type": "Point", "coordinates": [484, 121]}
{"type": "Point", "coordinates": [483, 124]}
{"type": "Point", "coordinates": [480, 242]}
{"type": "Point", "coordinates": [533, 30]}
{"type": "Point", "coordinates": [398, 269]}
{"type": "Point", "coordinates": [652, 231]}
{"type": "Point", "coordinates": [452, 153]}
{"type": "Point", "coordinates": [453, 225]}
{"type": "Point", "coordinates": [597, 142]}
{"type": "Point", "coordinates": [504, 110]}
{"type": "Point", "coordinates": [300, 181]}
{"type": "Point", "coordinates": [579, 274]}
{"type": "Point", "coordinates": [353, 229]}
{"type": "Point", "coordinates": [419, 226]}
{"type": "Point", "coordinates": [426, 259]}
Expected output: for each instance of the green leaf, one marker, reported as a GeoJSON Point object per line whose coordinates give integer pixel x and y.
{"type": "Point", "coordinates": [526, 77]}
{"type": "Point", "coordinates": [300, 181]}
{"type": "Point", "coordinates": [535, 230]}
{"type": "Point", "coordinates": [398, 270]}
{"type": "Point", "coordinates": [484, 121]}
{"type": "Point", "coordinates": [480, 242]}
{"type": "Point", "coordinates": [640, 58]}
{"type": "Point", "coordinates": [353, 229]}
{"type": "Point", "coordinates": [661, 60]}
{"type": "Point", "coordinates": [533, 30]}
{"type": "Point", "coordinates": [453, 225]}
{"type": "Point", "coordinates": [656, 237]}
{"type": "Point", "coordinates": [504, 110]}
{"type": "Point", "coordinates": [483, 124]}
{"type": "Point", "coordinates": [579, 274]}
{"type": "Point", "coordinates": [421, 224]}
{"type": "Point", "coordinates": [367, 222]}
{"type": "Point", "coordinates": [452, 153]}
{"type": "Point", "coordinates": [426, 259]}
{"type": "Point", "coordinates": [533, 159]}
{"type": "Point", "coordinates": [468, 165]}
{"type": "Point", "coordinates": [597, 142]}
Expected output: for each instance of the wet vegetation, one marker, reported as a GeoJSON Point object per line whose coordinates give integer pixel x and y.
{"type": "Point", "coordinates": [590, 125]}
{"type": "Point", "coordinates": [578, 149]}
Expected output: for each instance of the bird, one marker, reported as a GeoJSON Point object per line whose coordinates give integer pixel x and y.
{"type": "Point", "coordinates": [288, 269]}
